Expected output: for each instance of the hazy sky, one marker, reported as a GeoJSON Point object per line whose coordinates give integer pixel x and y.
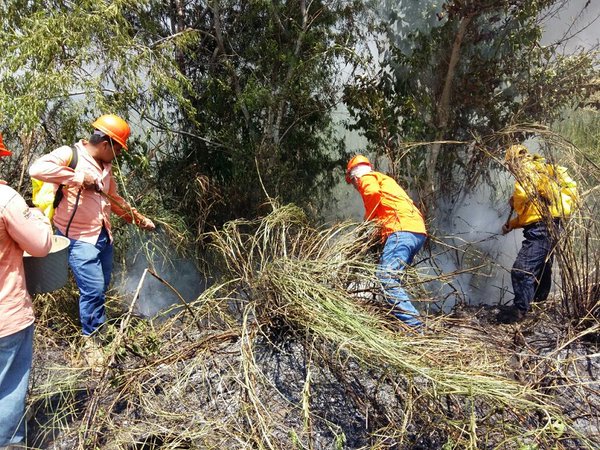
{"type": "Point", "coordinates": [575, 20]}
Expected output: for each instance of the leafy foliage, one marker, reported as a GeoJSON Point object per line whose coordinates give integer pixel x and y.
{"type": "Point", "coordinates": [65, 63]}
{"type": "Point", "coordinates": [475, 70]}
{"type": "Point", "coordinates": [239, 93]}
{"type": "Point", "coordinates": [60, 54]}
{"type": "Point", "coordinates": [265, 77]}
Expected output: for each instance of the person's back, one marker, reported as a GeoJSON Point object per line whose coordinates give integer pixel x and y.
{"type": "Point", "coordinates": [21, 229]}
{"type": "Point", "coordinates": [388, 204]}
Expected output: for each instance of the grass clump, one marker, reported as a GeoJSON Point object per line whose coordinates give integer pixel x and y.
{"type": "Point", "coordinates": [294, 349]}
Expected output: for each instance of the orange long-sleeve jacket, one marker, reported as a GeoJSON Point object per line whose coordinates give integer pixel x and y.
{"type": "Point", "coordinates": [93, 209]}
{"type": "Point", "coordinates": [389, 205]}
{"type": "Point", "coordinates": [21, 229]}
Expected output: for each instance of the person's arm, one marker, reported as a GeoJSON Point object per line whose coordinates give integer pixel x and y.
{"type": "Point", "coordinates": [28, 227]}
{"type": "Point", "coordinates": [123, 209]}
{"type": "Point", "coordinates": [54, 168]}
{"type": "Point", "coordinates": [519, 203]}
{"type": "Point", "coordinates": [370, 191]}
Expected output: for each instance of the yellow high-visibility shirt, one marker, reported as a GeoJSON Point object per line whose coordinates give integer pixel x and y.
{"type": "Point", "coordinates": [542, 191]}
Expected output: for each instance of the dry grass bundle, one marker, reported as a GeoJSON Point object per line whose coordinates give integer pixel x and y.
{"type": "Point", "coordinates": [300, 279]}
{"type": "Point", "coordinates": [293, 350]}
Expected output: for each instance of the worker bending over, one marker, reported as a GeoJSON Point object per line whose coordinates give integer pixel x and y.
{"type": "Point", "coordinates": [543, 196]}
{"type": "Point", "coordinates": [402, 230]}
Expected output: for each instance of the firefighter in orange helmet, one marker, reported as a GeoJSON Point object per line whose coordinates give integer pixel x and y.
{"type": "Point", "coordinates": [402, 230]}
{"type": "Point", "coordinates": [90, 196]}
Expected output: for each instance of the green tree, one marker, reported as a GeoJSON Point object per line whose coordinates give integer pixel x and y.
{"type": "Point", "coordinates": [265, 77]}
{"type": "Point", "coordinates": [458, 72]}
{"type": "Point", "coordinates": [229, 99]}
{"type": "Point", "coordinates": [64, 63]}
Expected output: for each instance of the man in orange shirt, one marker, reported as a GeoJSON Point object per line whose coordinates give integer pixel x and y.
{"type": "Point", "coordinates": [402, 229]}
{"type": "Point", "coordinates": [21, 229]}
{"type": "Point", "coordinates": [90, 195]}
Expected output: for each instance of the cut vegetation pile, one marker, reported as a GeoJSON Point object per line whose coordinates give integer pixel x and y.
{"type": "Point", "coordinates": [293, 350]}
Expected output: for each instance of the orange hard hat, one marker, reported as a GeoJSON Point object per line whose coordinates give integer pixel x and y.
{"type": "Point", "coordinates": [356, 161]}
{"type": "Point", "coordinates": [3, 150]}
{"type": "Point", "coordinates": [114, 127]}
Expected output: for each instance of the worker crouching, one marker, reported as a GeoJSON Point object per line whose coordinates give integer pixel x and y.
{"type": "Point", "coordinates": [402, 230]}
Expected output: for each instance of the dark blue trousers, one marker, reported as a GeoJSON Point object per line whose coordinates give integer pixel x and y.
{"type": "Point", "coordinates": [532, 271]}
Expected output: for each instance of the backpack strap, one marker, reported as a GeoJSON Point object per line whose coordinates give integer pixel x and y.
{"type": "Point", "coordinates": [74, 157]}
{"type": "Point", "coordinates": [72, 164]}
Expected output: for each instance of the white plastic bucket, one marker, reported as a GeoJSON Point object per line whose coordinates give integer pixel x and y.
{"type": "Point", "coordinates": [50, 272]}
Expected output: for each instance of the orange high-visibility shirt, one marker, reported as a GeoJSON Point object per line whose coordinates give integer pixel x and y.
{"type": "Point", "coordinates": [389, 205]}
{"type": "Point", "coordinates": [93, 210]}
{"type": "Point", "coordinates": [21, 229]}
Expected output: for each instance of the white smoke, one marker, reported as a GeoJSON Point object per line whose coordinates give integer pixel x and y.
{"type": "Point", "coordinates": [470, 250]}
{"type": "Point", "coordinates": [146, 251]}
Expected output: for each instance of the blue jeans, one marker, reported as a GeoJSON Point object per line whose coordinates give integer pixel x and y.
{"type": "Point", "coordinates": [399, 251]}
{"type": "Point", "coordinates": [92, 266]}
{"type": "Point", "coordinates": [16, 351]}
{"type": "Point", "coordinates": [531, 274]}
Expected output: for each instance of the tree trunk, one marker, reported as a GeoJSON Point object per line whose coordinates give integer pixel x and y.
{"type": "Point", "coordinates": [443, 109]}
{"type": "Point", "coordinates": [214, 6]}
{"type": "Point", "coordinates": [281, 109]}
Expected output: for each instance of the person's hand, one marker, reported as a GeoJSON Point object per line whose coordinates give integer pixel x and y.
{"type": "Point", "coordinates": [146, 224]}
{"type": "Point", "coordinates": [505, 228]}
{"type": "Point", "coordinates": [89, 181]}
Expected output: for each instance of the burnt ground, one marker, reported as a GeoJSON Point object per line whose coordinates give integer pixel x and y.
{"type": "Point", "coordinates": [554, 356]}
{"type": "Point", "coordinates": [186, 388]}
